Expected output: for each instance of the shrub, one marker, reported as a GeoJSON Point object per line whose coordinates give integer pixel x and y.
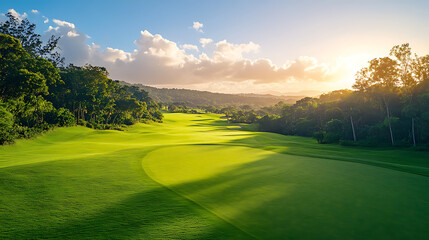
{"type": "Point", "coordinates": [65, 117]}
{"type": "Point", "coordinates": [6, 126]}
{"type": "Point", "coordinates": [61, 117]}
{"type": "Point", "coordinates": [81, 122]}
{"type": "Point", "coordinates": [334, 130]}
{"type": "Point", "coordinates": [129, 121]}
{"type": "Point", "coordinates": [319, 136]}
{"type": "Point", "coordinates": [304, 127]}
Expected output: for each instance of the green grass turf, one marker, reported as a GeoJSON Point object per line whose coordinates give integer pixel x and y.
{"type": "Point", "coordinates": [197, 177]}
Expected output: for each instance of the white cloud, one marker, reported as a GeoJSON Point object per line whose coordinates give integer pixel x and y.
{"type": "Point", "coordinates": [35, 11]}
{"type": "Point", "coordinates": [190, 47]}
{"type": "Point", "coordinates": [63, 23]}
{"type": "Point", "coordinates": [46, 19]}
{"type": "Point", "coordinates": [205, 41]}
{"type": "Point", "coordinates": [17, 15]}
{"type": "Point", "coordinates": [160, 62]}
{"type": "Point", "coordinates": [161, 49]}
{"type": "Point", "coordinates": [226, 51]}
{"type": "Point", "coordinates": [73, 34]}
{"type": "Point", "coordinates": [50, 28]}
{"type": "Point", "coordinates": [72, 44]}
{"type": "Point", "coordinates": [198, 26]}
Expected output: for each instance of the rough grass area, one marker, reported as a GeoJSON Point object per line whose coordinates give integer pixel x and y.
{"type": "Point", "coordinates": [197, 177]}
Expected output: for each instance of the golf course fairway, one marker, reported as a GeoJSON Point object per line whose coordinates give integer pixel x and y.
{"type": "Point", "coordinates": [197, 177]}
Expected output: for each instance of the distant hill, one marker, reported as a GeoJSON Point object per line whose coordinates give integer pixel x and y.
{"type": "Point", "coordinates": [194, 98]}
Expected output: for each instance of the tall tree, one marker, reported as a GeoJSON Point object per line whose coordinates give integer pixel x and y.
{"type": "Point", "coordinates": [23, 30]}
{"type": "Point", "coordinates": [22, 75]}
{"type": "Point", "coordinates": [380, 80]}
{"type": "Point", "coordinates": [403, 55]}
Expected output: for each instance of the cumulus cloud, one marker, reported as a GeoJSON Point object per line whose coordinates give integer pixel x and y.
{"type": "Point", "coordinates": [46, 19]}
{"type": "Point", "coordinates": [63, 23]}
{"type": "Point", "coordinates": [73, 34]}
{"type": "Point", "coordinates": [160, 62]}
{"type": "Point", "coordinates": [205, 41]}
{"type": "Point", "coordinates": [72, 44]}
{"type": "Point", "coordinates": [50, 28]}
{"type": "Point", "coordinates": [226, 51]}
{"type": "Point", "coordinates": [198, 26]}
{"type": "Point", "coordinates": [35, 11]}
{"type": "Point", "coordinates": [190, 47]}
{"type": "Point", "coordinates": [17, 15]}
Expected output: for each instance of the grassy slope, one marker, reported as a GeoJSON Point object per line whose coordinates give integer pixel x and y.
{"type": "Point", "coordinates": [217, 182]}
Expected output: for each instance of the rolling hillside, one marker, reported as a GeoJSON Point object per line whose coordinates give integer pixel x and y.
{"type": "Point", "coordinates": [194, 98]}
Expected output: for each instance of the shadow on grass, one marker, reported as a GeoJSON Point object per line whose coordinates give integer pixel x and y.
{"type": "Point", "coordinates": [222, 125]}
{"type": "Point", "coordinates": [154, 214]}
{"type": "Point", "coordinates": [399, 160]}
{"type": "Point", "coordinates": [404, 160]}
{"type": "Point", "coordinates": [301, 198]}
{"type": "Point", "coordinates": [271, 198]}
{"type": "Point", "coordinates": [104, 197]}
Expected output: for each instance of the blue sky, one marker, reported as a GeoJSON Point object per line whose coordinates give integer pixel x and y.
{"type": "Point", "coordinates": [283, 30]}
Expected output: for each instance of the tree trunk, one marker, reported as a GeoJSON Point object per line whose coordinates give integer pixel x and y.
{"type": "Point", "coordinates": [79, 113]}
{"type": "Point", "coordinates": [353, 129]}
{"type": "Point", "coordinates": [114, 119]}
{"type": "Point", "coordinates": [390, 125]}
{"type": "Point", "coordinates": [108, 116]}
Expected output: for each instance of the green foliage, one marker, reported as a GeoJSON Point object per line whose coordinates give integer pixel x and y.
{"type": "Point", "coordinates": [21, 74]}
{"type": "Point", "coordinates": [334, 131]}
{"type": "Point", "coordinates": [23, 30]}
{"type": "Point", "coordinates": [319, 136]}
{"type": "Point", "coordinates": [304, 127]}
{"type": "Point", "coordinates": [388, 107]}
{"type": "Point", "coordinates": [6, 125]}
{"type": "Point", "coordinates": [93, 97]}
{"type": "Point", "coordinates": [61, 117]}
{"type": "Point", "coordinates": [39, 96]}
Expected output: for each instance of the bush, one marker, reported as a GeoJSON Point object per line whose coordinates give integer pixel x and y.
{"type": "Point", "coordinates": [319, 136]}
{"type": "Point", "coordinates": [332, 137]}
{"type": "Point", "coordinates": [334, 130]}
{"type": "Point", "coordinates": [89, 125]}
{"type": "Point", "coordinates": [61, 117]}
{"type": "Point", "coordinates": [304, 127]}
{"type": "Point", "coordinates": [129, 121]}
{"type": "Point", "coordinates": [81, 122]}
{"type": "Point", "coordinates": [6, 126]}
{"type": "Point", "coordinates": [65, 118]}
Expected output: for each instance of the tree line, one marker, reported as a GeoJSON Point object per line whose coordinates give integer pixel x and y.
{"type": "Point", "coordinates": [38, 93]}
{"type": "Point", "coordinates": [389, 105]}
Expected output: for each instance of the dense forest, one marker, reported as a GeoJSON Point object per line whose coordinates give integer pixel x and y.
{"type": "Point", "coordinates": [195, 98]}
{"type": "Point", "coordinates": [388, 106]}
{"type": "Point", "coordinates": [38, 93]}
